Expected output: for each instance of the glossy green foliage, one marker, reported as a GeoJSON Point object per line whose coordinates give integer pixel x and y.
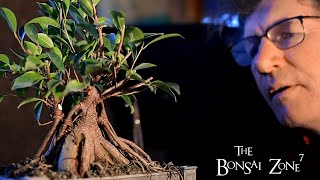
{"type": "Point", "coordinates": [65, 51]}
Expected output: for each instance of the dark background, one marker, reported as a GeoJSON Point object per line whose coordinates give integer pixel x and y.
{"type": "Point", "coordinates": [219, 106]}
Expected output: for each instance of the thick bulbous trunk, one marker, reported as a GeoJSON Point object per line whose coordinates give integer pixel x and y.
{"type": "Point", "coordinates": [87, 136]}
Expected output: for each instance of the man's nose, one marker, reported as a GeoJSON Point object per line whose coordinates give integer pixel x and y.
{"type": "Point", "coordinates": [268, 58]}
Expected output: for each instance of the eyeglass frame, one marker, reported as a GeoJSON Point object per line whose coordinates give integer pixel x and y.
{"type": "Point", "coordinates": [300, 18]}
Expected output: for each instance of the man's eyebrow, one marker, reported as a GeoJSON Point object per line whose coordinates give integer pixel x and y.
{"type": "Point", "coordinates": [279, 21]}
{"type": "Point", "coordinates": [259, 29]}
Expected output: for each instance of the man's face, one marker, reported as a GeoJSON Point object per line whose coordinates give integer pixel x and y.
{"type": "Point", "coordinates": [288, 79]}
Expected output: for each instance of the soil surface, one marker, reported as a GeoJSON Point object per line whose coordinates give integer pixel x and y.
{"type": "Point", "coordinates": [39, 168]}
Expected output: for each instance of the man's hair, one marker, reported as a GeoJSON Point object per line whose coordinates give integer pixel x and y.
{"type": "Point", "coordinates": [245, 7]}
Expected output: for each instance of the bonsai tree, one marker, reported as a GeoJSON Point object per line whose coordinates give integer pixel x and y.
{"type": "Point", "coordinates": [72, 62]}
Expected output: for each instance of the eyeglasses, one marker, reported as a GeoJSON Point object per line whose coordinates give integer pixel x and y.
{"type": "Point", "coordinates": [284, 35]}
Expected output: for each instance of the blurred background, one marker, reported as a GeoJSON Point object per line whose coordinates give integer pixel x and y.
{"type": "Point", "coordinates": [219, 106]}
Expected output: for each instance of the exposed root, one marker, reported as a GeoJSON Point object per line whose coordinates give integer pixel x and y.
{"type": "Point", "coordinates": [136, 147]}
{"type": "Point", "coordinates": [68, 157]}
{"type": "Point", "coordinates": [51, 146]}
{"type": "Point", "coordinates": [134, 151]}
{"type": "Point", "coordinates": [87, 155]}
{"type": "Point", "coordinates": [114, 152]}
{"type": "Point", "coordinates": [91, 139]}
{"type": "Point", "coordinates": [81, 149]}
{"type": "Point", "coordinates": [41, 167]}
{"type": "Point", "coordinates": [68, 121]}
{"type": "Point", "coordinates": [58, 115]}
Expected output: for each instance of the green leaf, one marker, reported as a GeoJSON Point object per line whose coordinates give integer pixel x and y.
{"type": "Point", "coordinates": [95, 2]}
{"type": "Point", "coordinates": [133, 49]}
{"type": "Point", "coordinates": [99, 87]}
{"type": "Point", "coordinates": [31, 32]}
{"type": "Point", "coordinates": [83, 14]}
{"type": "Point", "coordinates": [15, 68]}
{"type": "Point", "coordinates": [163, 86]}
{"type": "Point", "coordinates": [55, 86]}
{"type": "Point", "coordinates": [4, 58]}
{"type": "Point", "coordinates": [52, 31]}
{"type": "Point", "coordinates": [9, 17]}
{"type": "Point", "coordinates": [173, 86]}
{"type": "Point", "coordinates": [1, 98]}
{"type": "Point", "coordinates": [89, 28]}
{"type": "Point", "coordinates": [3, 71]}
{"type": "Point", "coordinates": [73, 27]}
{"type": "Point", "coordinates": [118, 19]}
{"type": "Point", "coordinates": [152, 88]}
{"type": "Point", "coordinates": [58, 92]}
{"type": "Point", "coordinates": [87, 79]}
{"type": "Point", "coordinates": [86, 6]}
{"type": "Point", "coordinates": [54, 75]}
{"type": "Point", "coordinates": [55, 4]}
{"type": "Point", "coordinates": [45, 20]}
{"type": "Point", "coordinates": [144, 66]}
{"type": "Point", "coordinates": [110, 54]}
{"type": "Point", "coordinates": [81, 43]}
{"type": "Point", "coordinates": [148, 35]}
{"type": "Point", "coordinates": [74, 86]}
{"type": "Point", "coordinates": [76, 15]}
{"type": "Point", "coordinates": [32, 48]}
{"type": "Point", "coordinates": [133, 34]}
{"type": "Point", "coordinates": [47, 95]}
{"type": "Point", "coordinates": [26, 80]}
{"type": "Point", "coordinates": [83, 46]}
{"type": "Point", "coordinates": [43, 56]}
{"type": "Point", "coordinates": [29, 100]}
{"type": "Point", "coordinates": [44, 28]}
{"type": "Point", "coordinates": [110, 41]}
{"type": "Point", "coordinates": [125, 67]}
{"type": "Point", "coordinates": [90, 66]}
{"type": "Point", "coordinates": [57, 61]}
{"type": "Point", "coordinates": [69, 27]}
{"type": "Point", "coordinates": [163, 37]}
{"type": "Point", "coordinates": [76, 99]}
{"type": "Point", "coordinates": [37, 111]}
{"type": "Point", "coordinates": [32, 63]}
{"type": "Point", "coordinates": [79, 56]}
{"type": "Point", "coordinates": [136, 76]}
{"type": "Point", "coordinates": [92, 48]}
{"type": "Point", "coordinates": [48, 10]}
{"type": "Point", "coordinates": [66, 5]}
{"type": "Point", "coordinates": [101, 21]}
{"type": "Point", "coordinates": [128, 102]}
{"type": "Point", "coordinates": [22, 91]}
{"type": "Point", "coordinates": [53, 83]}
{"type": "Point", "coordinates": [60, 40]}
{"type": "Point", "coordinates": [44, 40]}
{"type": "Point", "coordinates": [57, 51]}
{"type": "Point", "coordinates": [118, 38]}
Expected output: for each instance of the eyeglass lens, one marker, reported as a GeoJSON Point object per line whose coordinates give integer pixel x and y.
{"type": "Point", "coordinates": [283, 35]}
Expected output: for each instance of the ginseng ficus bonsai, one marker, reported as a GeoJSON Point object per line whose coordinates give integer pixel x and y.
{"type": "Point", "coordinates": [72, 61]}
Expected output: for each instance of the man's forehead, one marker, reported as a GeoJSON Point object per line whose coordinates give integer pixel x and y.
{"type": "Point", "coordinates": [256, 21]}
{"type": "Point", "coordinates": [270, 11]}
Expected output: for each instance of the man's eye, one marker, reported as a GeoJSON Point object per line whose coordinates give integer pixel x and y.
{"type": "Point", "coordinates": [285, 35]}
